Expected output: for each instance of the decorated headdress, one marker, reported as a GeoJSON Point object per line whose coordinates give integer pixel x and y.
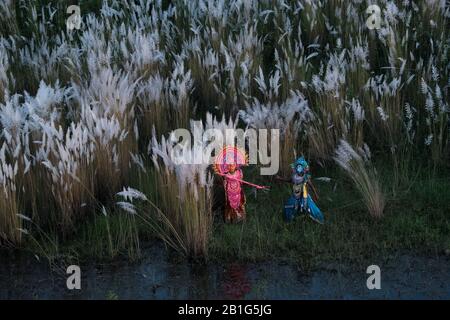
{"type": "Point", "coordinates": [300, 165]}
{"type": "Point", "coordinates": [230, 155]}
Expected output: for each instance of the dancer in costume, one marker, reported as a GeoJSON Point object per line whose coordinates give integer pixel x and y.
{"type": "Point", "coordinates": [300, 200]}
{"type": "Point", "coordinates": [228, 165]}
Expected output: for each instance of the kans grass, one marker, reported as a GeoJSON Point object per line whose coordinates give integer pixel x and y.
{"type": "Point", "coordinates": [86, 117]}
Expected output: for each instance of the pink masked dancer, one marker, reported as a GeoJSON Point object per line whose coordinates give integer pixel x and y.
{"type": "Point", "coordinates": [228, 165]}
{"type": "Point", "coordinates": [234, 193]}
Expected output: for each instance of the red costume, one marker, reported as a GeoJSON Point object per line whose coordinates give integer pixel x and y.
{"type": "Point", "coordinates": [228, 165]}
{"type": "Point", "coordinates": [235, 197]}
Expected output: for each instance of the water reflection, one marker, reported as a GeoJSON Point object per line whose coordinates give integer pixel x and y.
{"type": "Point", "coordinates": [235, 282]}
{"type": "Point", "coordinates": [158, 277]}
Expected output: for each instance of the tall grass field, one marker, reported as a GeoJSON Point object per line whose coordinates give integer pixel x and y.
{"type": "Point", "coordinates": [86, 116]}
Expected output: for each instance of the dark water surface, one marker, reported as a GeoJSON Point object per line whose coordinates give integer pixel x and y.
{"type": "Point", "coordinates": [156, 277]}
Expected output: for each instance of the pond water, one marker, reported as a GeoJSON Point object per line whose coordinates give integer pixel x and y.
{"type": "Point", "coordinates": [155, 276]}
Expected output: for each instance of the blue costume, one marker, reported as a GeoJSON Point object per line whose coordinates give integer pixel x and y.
{"type": "Point", "coordinates": [300, 201]}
